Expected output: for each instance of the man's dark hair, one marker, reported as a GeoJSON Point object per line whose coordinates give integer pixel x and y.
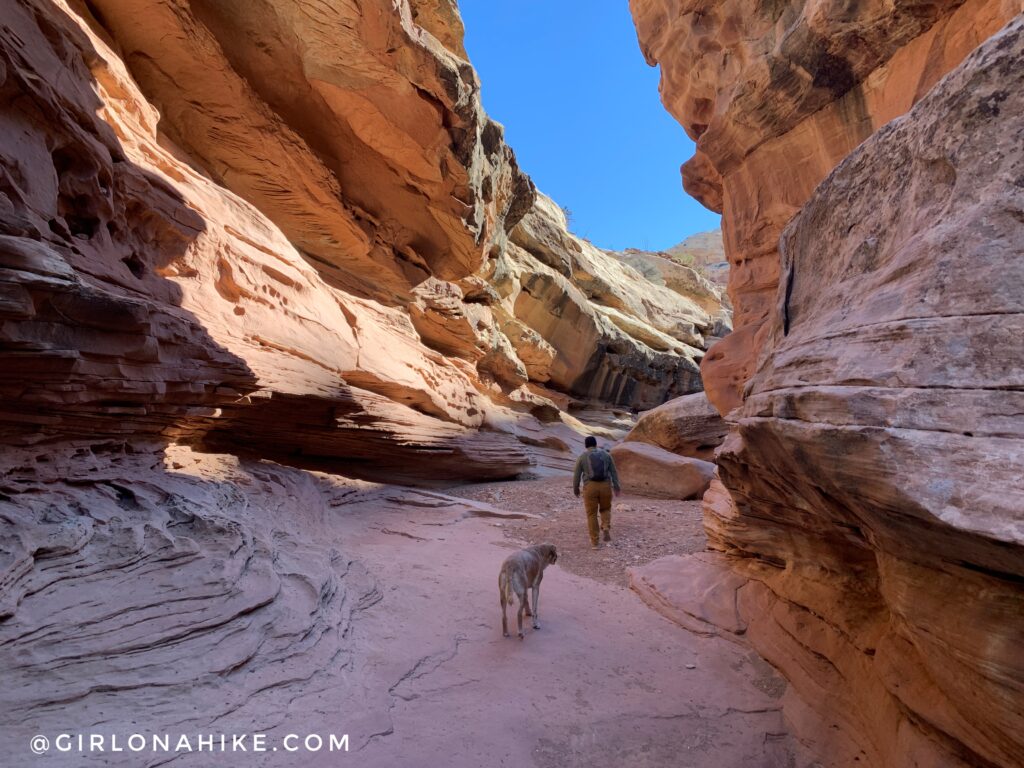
{"type": "Point", "coordinates": [590, 442]}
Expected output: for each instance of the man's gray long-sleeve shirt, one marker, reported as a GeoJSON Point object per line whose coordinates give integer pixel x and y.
{"type": "Point", "coordinates": [582, 470]}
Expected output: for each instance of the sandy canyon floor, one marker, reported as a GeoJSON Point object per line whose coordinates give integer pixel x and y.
{"type": "Point", "coordinates": [605, 682]}
{"type": "Point", "coordinates": [236, 596]}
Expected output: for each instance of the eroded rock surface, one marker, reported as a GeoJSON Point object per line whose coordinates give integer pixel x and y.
{"type": "Point", "coordinates": [240, 231]}
{"type": "Point", "coordinates": [612, 334]}
{"type": "Point", "coordinates": [776, 95]}
{"type": "Point", "coordinates": [149, 592]}
{"type": "Point", "coordinates": [871, 493]}
{"type": "Point", "coordinates": [648, 470]}
{"type": "Point", "coordinates": [704, 251]}
{"type": "Point", "coordinates": [688, 425]}
{"type": "Point", "coordinates": [207, 594]}
{"type": "Point", "coordinates": [290, 229]}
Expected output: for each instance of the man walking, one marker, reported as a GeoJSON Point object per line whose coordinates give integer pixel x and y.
{"type": "Point", "coordinates": [596, 468]}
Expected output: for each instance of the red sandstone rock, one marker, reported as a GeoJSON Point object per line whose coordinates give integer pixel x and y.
{"type": "Point", "coordinates": [688, 425]}
{"type": "Point", "coordinates": [775, 96]}
{"type": "Point", "coordinates": [697, 591]}
{"type": "Point", "coordinates": [652, 471]}
{"type": "Point", "coordinates": [871, 487]}
{"type": "Point", "coordinates": [286, 229]}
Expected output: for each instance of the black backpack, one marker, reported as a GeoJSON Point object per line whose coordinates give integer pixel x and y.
{"type": "Point", "coordinates": [598, 460]}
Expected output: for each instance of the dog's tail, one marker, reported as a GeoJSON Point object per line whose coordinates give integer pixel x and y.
{"type": "Point", "coordinates": [504, 588]}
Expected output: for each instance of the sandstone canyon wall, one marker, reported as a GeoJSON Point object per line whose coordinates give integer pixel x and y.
{"type": "Point", "coordinates": [775, 96]}
{"type": "Point", "coordinates": [261, 226]}
{"type": "Point", "coordinates": [239, 231]}
{"type": "Point", "coordinates": [867, 532]}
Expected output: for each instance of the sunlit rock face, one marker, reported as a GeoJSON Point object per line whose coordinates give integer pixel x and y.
{"type": "Point", "coordinates": [775, 95]}
{"type": "Point", "coordinates": [688, 425]}
{"type": "Point", "coordinates": [290, 228]}
{"type": "Point", "coordinates": [870, 493]}
{"type": "Point", "coordinates": [238, 235]}
{"type": "Point", "coordinates": [661, 268]}
{"type": "Point", "coordinates": [704, 251]}
{"type": "Point", "coordinates": [616, 336]}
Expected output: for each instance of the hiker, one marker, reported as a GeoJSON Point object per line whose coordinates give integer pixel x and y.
{"type": "Point", "coordinates": [596, 468]}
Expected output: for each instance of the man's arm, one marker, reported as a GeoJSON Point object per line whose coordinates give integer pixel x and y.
{"type": "Point", "coordinates": [613, 473]}
{"type": "Point", "coordinates": [576, 474]}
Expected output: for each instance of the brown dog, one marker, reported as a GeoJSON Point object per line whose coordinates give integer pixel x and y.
{"type": "Point", "coordinates": [520, 572]}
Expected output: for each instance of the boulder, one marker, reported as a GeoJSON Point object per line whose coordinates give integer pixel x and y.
{"type": "Point", "coordinates": [688, 425]}
{"type": "Point", "coordinates": [648, 470]}
{"type": "Point", "coordinates": [698, 591]}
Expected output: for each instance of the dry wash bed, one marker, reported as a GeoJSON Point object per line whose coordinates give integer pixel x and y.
{"type": "Point", "coordinates": [643, 529]}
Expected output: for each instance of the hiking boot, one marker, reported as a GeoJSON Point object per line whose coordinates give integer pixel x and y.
{"type": "Point", "coordinates": [607, 535]}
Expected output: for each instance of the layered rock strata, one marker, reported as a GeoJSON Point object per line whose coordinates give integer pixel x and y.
{"type": "Point", "coordinates": [704, 251]}
{"type": "Point", "coordinates": [292, 230]}
{"type": "Point", "coordinates": [615, 336]}
{"type": "Point", "coordinates": [870, 496]}
{"type": "Point", "coordinates": [140, 593]}
{"type": "Point", "coordinates": [688, 425]}
{"type": "Point", "coordinates": [648, 470]}
{"type": "Point", "coordinates": [775, 96]}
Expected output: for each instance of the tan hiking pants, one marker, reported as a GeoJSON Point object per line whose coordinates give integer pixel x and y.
{"type": "Point", "coordinates": [598, 495]}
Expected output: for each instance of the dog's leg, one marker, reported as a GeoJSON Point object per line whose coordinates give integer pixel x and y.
{"type": "Point", "coordinates": [528, 611]}
{"type": "Point", "coordinates": [504, 603]}
{"type": "Point", "coordinates": [536, 605]}
{"type": "Point", "coordinates": [519, 615]}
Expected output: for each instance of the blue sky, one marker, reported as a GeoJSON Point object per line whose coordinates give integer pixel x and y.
{"type": "Point", "coordinates": [581, 108]}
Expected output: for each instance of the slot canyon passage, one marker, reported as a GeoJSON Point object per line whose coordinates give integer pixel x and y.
{"type": "Point", "coordinates": [293, 354]}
